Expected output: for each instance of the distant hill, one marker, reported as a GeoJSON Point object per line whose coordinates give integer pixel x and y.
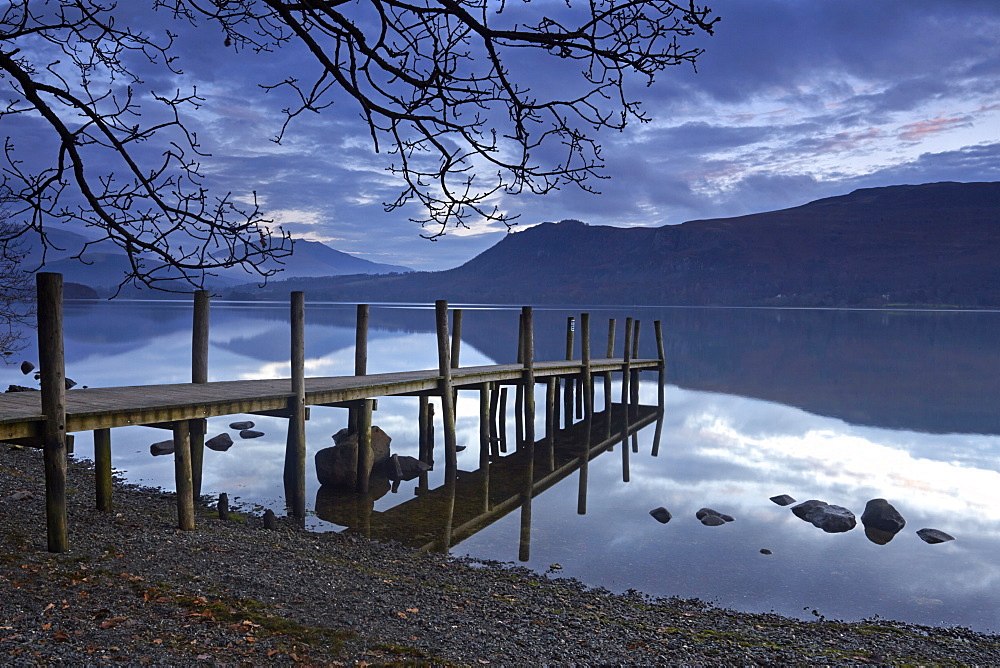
{"type": "Point", "coordinates": [933, 244]}
{"type": "Point", "coordinates": [105, 264]}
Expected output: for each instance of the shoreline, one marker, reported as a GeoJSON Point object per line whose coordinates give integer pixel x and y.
{"type": "Point", "coordinates": [133, 589]}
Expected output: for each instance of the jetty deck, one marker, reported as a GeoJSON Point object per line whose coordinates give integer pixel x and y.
{"type": "Point", "coordinates": [21, 415]}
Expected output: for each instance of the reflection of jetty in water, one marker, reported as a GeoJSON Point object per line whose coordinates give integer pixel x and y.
{"type": "Point", "coordinates": [469, 501]}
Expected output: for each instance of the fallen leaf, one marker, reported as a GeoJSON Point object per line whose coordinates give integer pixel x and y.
{"type": "Point", "coordinates": [401, 614]}
{"type": "Point", "coordinates": [413, 609]}
{"type": "Point", "coordinates": [158, 641]}
{"type": "Point", "coordinates": [60, 636]}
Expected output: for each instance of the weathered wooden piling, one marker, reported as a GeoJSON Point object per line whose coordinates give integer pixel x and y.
{"type": "Point", "coordinates": [102, 469]}
{"type": "Point", "coordinates": [528, 379]}
{"type": "Point", "coordinates": [360, 359]}
{"type": "Point", "coordinates": [199, 374]}
{"type": "Point", "coordinates": [456, 337]}
{"type": "Point", "coordinates": [626, 372]}
{"type": "Point", "coordinates": [52, 369]}
{"type": "Point", "coordinates": [661, 378]}
{"type": "Point", "coordinates": [587, 386]}
{"type": "Point", "coordinates": [502, 428]}
{"type": "Point", "coordinates": [612, 324]}
{"type": "Point", "coordinates": [519, 388]}
{"type": "Point", "coordinates": [364, 445]}
{"type": "Point", "coordinates": [295, 444]}
{"type": "Point", "coordinates": [494, 409]}
{"type": "Point", "coordinates": [634, 382]}
{"type": "Point", "coordinates": [445, 384]}
{"type": "Point", "coordinates": [182, 475]}
{"type": "Point", "coordinates": [551, 420]}
{"type": "Point", "coordinates": [568, 393]}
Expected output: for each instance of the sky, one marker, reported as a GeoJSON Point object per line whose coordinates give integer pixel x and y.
{"type": "Point", "coordinates": [792, 101]}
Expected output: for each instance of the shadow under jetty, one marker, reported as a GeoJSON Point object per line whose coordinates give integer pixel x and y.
{"type": "Point", "coordinates": [438, 519]}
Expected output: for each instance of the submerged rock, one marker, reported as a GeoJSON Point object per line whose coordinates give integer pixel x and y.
{"type": "Point", "coordinates": [250, 433]}
{"type": "Point", "coordinates": [336, 466]}
{"type": "Point", "coordinates": [882, 521]}
{"type": "Point", "coordinates": [162, 448]}
{"type": "Point", "coordinates": [406, 468]}
{"type": "Point", "coordinates": [783, 500]}
{"type": "Point", "coordinates": [220, 443]}
{"type": "Point", "coordinates": [934, 536]}
{"type": "Point", "coordinates": [661, 515]}
{"type": "Point", "coordinates": [240, 426]}
{"type": "Point", "coordinates": [27, 367]}
{"type": "Point", "coordinates": [829, 518]}
{"type": "Point", "coordinates": [712, 518]}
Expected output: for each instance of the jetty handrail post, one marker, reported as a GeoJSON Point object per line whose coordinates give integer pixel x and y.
{"type": "Point", "coordinates": [612, 324]}
{"type": "Point", "coordinates": [661, 380]}
{"type": "Point", "coordinates": [183, 475]}
{"type": "Point", "coordinates": [568, 401]}
{"type": "Point", "coordinates": [528, 378]}
{"type": "Point", "coordinates": [445, 388]}
{"type": "Point", "coordinates": [199, 374]}
{"type": "Point", "coordinates": [52, 363]}
{"type": "Point", "coordinates": [634, 383]}
{"type": "Point", "coordinates": [588, 412]}
{"type": "Point", "coordinates": [295, 444]}
{"type": "Point", "coordinates": [102, 470]}
{"type": "Point", "coordinates": [626, 362]}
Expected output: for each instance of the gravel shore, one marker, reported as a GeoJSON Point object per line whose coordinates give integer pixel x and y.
{"type": "Point", "coordinates": [135, 590]}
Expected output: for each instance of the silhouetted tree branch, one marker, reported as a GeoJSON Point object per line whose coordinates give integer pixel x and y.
{"type": "Point", "coordinates": [16, 294]}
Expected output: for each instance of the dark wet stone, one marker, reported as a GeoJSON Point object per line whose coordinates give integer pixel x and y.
{"type": "Point", "coordinates": [829, 518]}
{"type": "Point", "coordinates": [707, 513]}
{"type": "Point", "coordinates": [70, 383]}
{"type": "Point", "coordinates": [934, 536]}
{"type": "Point", "coordinates": [661, 514]}
{"type": "Point", "coordinates": [27, 367]}
{"type": "Point", "coordinates": [881, 521]}
{"type": "Point", "coordinates": [219, 443]}
{"type": "Point", "coordinates": [406, 468]}
{"type": "Point", "coordinates": [764, 550]}
{"type": "Point", "coordinates": [240, 426]}
{"type": "Point", "coordinates": [21, 388]}
{"type": "Point", "coordinates": [783, 500]}
{"type": "Point", "coordinates": [336, 466]}
{"type": "Point", "coordinates": [162, 448]}
{"type": "Point", "coordinates": [270, 521]}
{"type": "Point", "coordinates": [250, 433]}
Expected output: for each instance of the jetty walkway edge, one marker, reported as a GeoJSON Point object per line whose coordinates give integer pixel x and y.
{"type": "Point", "coordinates": [47, 418]}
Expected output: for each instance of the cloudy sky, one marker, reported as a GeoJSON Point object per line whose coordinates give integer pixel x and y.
{"type": "Point", "coordinates": [792, 101]}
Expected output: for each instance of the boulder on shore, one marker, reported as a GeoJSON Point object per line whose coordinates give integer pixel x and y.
{"type": "Point", "coordinates": [336, 466]}
{"type": "Point", "coordinates": [829, 518]}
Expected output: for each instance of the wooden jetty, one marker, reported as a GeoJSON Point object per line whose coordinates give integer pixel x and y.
{"type": "Point", "coordinates": [44, 419]}
{"type": "Point", "coordinates": [469, 501]}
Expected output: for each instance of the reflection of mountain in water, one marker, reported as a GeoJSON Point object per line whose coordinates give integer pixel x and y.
{"type": "Point", "coordinates": [919, 370]}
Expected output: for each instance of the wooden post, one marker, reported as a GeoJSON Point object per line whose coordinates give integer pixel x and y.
{"type": "Point", "coordinates": [634, 383]}
{"type": "Point", "coordinates": [551, 421]}
{"type": "Point", "coordinates": [199, 374]}
{"type": "Point", "coordinates": [625, 397]}
{"type": "Point", "coordinates": [607, 378]}
{"type": "Point", "coordinates": [494, 408]}
{"type": "Point", "coordinates": [568, 400]}
{"type": "Point", "coordinates": [364, 445]}
{"type": "Point", "coordinates": [588, 406]}
{"type": "Point", "coordinates": [102, 469]}
{"type": "Point", "coordinates": [360, 359]}
{"type": "Point", "coordinates": [51, 359]}
{"type": "Point", "coordinates": [528, 379]}
{"type": "Point", "coordinates": [445, 386]}
{"type": "Point", "coordinates": [456, 336]}
{"type": "Point", "coordinates": [295, 444]}
{"type": "Point", "coordinates": [182, 476]}
{"type": "Point", "coordinates": [422, 448]}
{"type": "Point", "coordinates": [484, 424]}
{"type": "Point", "coordinates": [503, 419]}
{"type": "Point", "coordinates": [661, 380]}
{"type": "Point", "coordinates": [519, 389]}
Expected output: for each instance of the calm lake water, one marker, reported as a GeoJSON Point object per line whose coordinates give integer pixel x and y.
{"type": "Point", "coordinates": [841, 406]}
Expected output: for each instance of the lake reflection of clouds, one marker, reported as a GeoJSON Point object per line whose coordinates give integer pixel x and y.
{"type": "Point", "coordinates": [718, 450]}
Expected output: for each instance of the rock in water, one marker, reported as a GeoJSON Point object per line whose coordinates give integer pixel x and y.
{"type": "Point", "coordinates": [934, 536]}
{"type": "Point", "coordinates": [270, 521]}
{"type": "Point", "coordinates": [881, 521]}
{"type": "Point", "coordinates": [27, 367]}
{"type": "Point", "coordinates": [829, 518]}
{"type": "Point", "coordinates": [661, 514]}
{"type": "Point", "coordinates": [69, 383]}
{"type": "Point", "coordinates": [162, 448]}
{"type": "Point", "coordinates": [335, 466]}
{"type": "Point", "coordinates": [408, 468]}
{"type": "Point", "coordinates": [250, 433]}
{"type": "Point", "coordinates": [783, 500]}
{"type": "Point", "coordinates": [712, 518]}
{"type": "Point", "coordinates": [220, 443]}
{"type": "Point", "coordinates": [240, 426]}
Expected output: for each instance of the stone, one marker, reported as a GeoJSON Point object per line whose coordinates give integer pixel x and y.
{"type": "Point", "coordinates": [406, 468]}
{"type": "Point", "coordinates": [270, 521]}
{"type": "Point", "coordinates": [712, 518]}
{"type": "Point", "coordinates": [934, 536]}
{"type": "Point", "coordinates": [69, 383]}
{"type": "Point", "coordinates": [220, 443]}
{"type": "Point", "coordinates": [661, 514]}
{"type": "Point", "coordinates": [240, 426]}
{"type": "Point", "coordinates": [27, 367]}
{"type": "Point", "coordinates": [223, 507]}
{"type": "Point", "coordinates": [783, 500]}
{"type": "Point", "coordinates": [21, 388]}
{"type": "Point", "coordinates": [765, 551]}
{"type": "Point", "coordinates": [881, 518]}
{"type": "Point", "coordinates": [21, 495]}
{"type": "Point", "coordinates": [162, 448]}
{"type": "Point", "coordinates": [336, 466]}
{"type": "Point", "coordinates": [829, 518]}
{"type": "Point", "coordinates": [250, 433]}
